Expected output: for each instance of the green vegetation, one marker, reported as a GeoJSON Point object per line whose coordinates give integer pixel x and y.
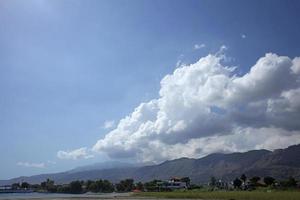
{"type": "Point", "coordinates": [254, 180]}
{"type": "Point", "coordinates": [234, 195]}
{"type": "Point", "coordinates": [100, 186]}
{"type": "Point", "coordinates": [25, 185]}
{"type": "Point", "coordinates": [269, 180]}
{"type": "Point", "coordinates": [126, 185]}
{"type": "Point", "coordinates": [242, 188]}
{"type": "Point", "coordinates": [237, 183]}
{"type": "Point", "coordinates": [151, 185]}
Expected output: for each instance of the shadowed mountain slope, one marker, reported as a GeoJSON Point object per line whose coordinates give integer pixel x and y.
{"type": "Point", "coordinates": [280, 164]}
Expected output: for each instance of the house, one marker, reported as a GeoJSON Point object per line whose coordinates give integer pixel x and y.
{"type": "Point", "coordinates": [172, 184]}
{"type": "Point", "coordinates": [5, 187]}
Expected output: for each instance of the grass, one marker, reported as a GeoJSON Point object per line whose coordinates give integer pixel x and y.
{"type": "Point", "coordinates": [228, 195]}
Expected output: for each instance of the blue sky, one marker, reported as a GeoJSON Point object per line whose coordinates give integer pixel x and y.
{"type": "Point", "coordinates": [66, 67]}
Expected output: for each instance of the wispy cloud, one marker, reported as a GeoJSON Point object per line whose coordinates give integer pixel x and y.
{"type": "Point", "coordinates": [179, 61]}
{"type": "Point", "coordinates": [51, 162]}
{"type": "Point", "coordinates": [223, 48]}
{"type": "Point", "coordinates": [221, 52]}
{"type": "Point", "coordinates": [32, 165]}
{"type": "Point", "coordinates": [199, 46]}
{"type": "Point", "coordinates": [81, 153]}
{"type": "Point", "coordinates": [108, 124]}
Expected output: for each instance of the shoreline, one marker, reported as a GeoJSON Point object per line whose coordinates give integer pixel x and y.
{"type": "Point", "coordinates": [90, 196]}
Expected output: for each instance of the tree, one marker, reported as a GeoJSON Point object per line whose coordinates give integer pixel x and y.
{"type": "Point", "coordinates": [139, 186]}
{"type": "Point", "coordinates": [76, 187]}
{"type": "Point", "coordinates": [269, 180]}
{"type": "Point", "coordinates": [15, 186]}
{"type": "Point", "coordinates": [49, 182]}
{"type": "Point", "coordinates": [49, 185]}
{"type": "Point", "coordinates": [237, 183]}
{"type": "Point", "coordinates": [152, 185]}
{"type": "Point", "coordinates": [125, 185]}
{"type": "Point", "coordinates": [43, 185]}
{"type": "Point", "coordinates": [93, 187]}
{"type": "Point", "coordinates": [107, 186]}
{"type": "Point", "coordinates": [291, 182]}
{"type": "Point", "coordinates": [213, 181]}
{"type": "Point", "coordinates": [243, 178]}
{"type": "Point", "coordinates": [25, 185]}
{"type": "Point", "coordinates": [88, 184]}
{"type": "Point", "coordinates": [52, 188]}
{"type": "Point", "coordinates": [35, 186]}
{"type": "Point", "coordinates": [63, 189]}
{"type": "Point", "coordinates": [99, 186]}
{"type": "Point", "coordinates": [254, 180]}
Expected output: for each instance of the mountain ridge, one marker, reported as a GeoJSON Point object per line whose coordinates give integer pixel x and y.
{"type": "Point", "coordinates": [280, 163]}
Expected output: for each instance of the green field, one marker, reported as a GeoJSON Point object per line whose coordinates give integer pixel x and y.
{"type": "Point", "coordinates": [234, 195]}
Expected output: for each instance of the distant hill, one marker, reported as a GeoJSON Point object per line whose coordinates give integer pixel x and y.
{"type": "Point", "coordinates": [280, 164]}
{"type": "Point", "coordinates": [104, 165]}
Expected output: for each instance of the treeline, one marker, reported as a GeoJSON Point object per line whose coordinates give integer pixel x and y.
{"type": "Point", "coordinates": [78, 187]}
{"type": "Point", "coordinates": [128, 185]}
{"type": "Point", "coordinates": [97, 186]}
{"type": "Point", "coordinates": [249, 183]}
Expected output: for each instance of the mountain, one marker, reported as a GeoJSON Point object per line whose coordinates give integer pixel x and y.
{"type": "Point", "coordinates": [104, 165]}
{"type": "Point", "coordinates": [280, 164]}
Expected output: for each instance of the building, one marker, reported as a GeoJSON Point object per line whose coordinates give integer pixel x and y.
{"type": "Point", "coordinates": [172, 184]}
{"type": "Point", "coordinates": [5, 187]}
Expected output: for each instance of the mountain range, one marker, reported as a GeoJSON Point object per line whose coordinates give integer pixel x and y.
{"type": "Point", "coordinates": [280, 163]}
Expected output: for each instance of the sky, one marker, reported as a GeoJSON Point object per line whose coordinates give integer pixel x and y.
{"type": "Point", "coordinates": [144, 81]}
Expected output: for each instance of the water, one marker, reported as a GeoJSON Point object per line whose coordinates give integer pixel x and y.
{"type": "Point", "coordinates": [35, 195]}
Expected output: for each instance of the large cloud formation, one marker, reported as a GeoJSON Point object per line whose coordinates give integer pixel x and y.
{"type": "Point", "coordinates": [206, 107]}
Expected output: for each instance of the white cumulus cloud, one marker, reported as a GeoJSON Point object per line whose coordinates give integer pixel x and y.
{"type": "Point", "coordinates": [81, 153]}
{"type": "Point", "coordinates": [206, 107]}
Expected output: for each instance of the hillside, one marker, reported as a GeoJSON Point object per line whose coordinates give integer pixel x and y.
{"type": "Point", "coordinates": [280, 163]}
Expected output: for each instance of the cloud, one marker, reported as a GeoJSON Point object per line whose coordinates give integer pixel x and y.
{"type": "Point", "coordinates": [81, 153]}
{"type": "Point", "coordinates": [180, 61]}
{"type": "Point", "coordinates": [243, 36]}
{"type": "Point", "coordinates": [108, 124]}
{"type": "Point", "coordinates": [50, 162]}
{"type": "Point", "coordinates": [199, 46]}
{"type": "Point", "coordinates": [222, 49]}
{"type": "Point", "coordinates": [206, 107]}
{"type": "Point", "coordinates": [31, 165]}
